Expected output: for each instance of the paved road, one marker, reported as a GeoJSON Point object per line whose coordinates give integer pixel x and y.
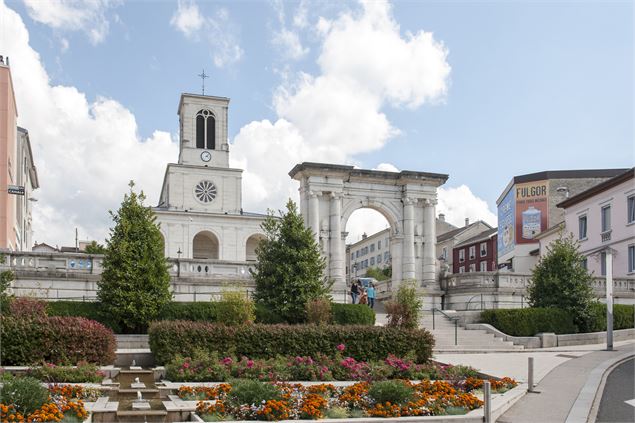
{"type": "Point", "coordinates": [620, 387]}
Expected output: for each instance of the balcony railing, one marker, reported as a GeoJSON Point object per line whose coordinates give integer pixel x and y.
{"type": "Point", "coordinates": [606, 235]}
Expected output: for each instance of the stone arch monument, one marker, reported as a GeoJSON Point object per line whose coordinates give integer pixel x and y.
{"type": "Point", "coordinates": [329, 194]}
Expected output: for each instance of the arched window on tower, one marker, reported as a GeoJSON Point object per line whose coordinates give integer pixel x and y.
{"type": "Point", "coordinates": [205, 130]}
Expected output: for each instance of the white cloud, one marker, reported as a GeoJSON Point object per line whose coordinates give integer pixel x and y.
{"type": "Point", "coordinates": [460, 202]}
{"type": "Point", "coordinates": [218, 31]}
{"type": "Point", "coordinates": [85, 151]}
{"type": "Point", "coordinates": [286, 40]}
{"type": "Point", "coordinates": [88, 16]}
{"type": "Point", "coordinates": [386, 167]}
{"type": "Point", "coordinates": [187, 18]}
{"type": "Point", "coordinates": [338, 114]}
{"type": "Point", "coordinates": [289, 43]}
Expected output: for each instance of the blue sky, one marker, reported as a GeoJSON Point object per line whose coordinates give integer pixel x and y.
{"type": "Point", "coordinates": [532, 85]}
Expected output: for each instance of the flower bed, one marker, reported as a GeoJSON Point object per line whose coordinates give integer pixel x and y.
{"type": "Point", "coordinates": [251, 400]}
{"type": "Point", "coordinates": [205, 367]}
{"type": "Point", "coordinates": [82, 373]}
{"type": "Point", "coordinates": [64, 403]}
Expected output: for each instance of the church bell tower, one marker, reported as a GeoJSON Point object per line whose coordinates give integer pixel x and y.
{"type": "Point", "coordinates": [203, 131]}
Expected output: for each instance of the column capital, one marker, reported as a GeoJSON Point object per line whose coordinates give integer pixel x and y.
{"type": "Point", "coordinates": [407, 201]}
{"type": "Point", "coordinates": [335, 195]}
{"type": "Point", "coordinates": [315, 193]}
{"type": "Point", "coordinates": [429, 202]}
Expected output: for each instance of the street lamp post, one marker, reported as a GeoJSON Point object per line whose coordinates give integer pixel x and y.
{"type": "Point", "coordinates": [609, 299]}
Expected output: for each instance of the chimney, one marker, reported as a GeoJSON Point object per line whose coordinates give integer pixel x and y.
{"type": "Point", "coordinates": [441, 217]}
{"type": "Point", "coordinates": [364, 236]}
{"type": "Point", "coordinates": [467, 221]}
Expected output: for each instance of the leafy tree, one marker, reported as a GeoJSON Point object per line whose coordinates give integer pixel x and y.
{"type": "Point", "coordinates": [95, 248]}
{"type": "Point", "coordinates": [135, 283]}
{"type": "Point", "coordinates": [561, 281]}
{"type": "Point", "coordinates": [289, 271]}
{"type": "Point", "coordinates": [379, 274]}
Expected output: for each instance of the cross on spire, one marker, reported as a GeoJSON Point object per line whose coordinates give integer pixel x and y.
{"type": "Point", "coordinates": [203, 76]}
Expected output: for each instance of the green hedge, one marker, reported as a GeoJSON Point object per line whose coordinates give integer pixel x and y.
{"type": "Point", "coordinates": [169, 338]}
{"type": "Point", "coordinates": [206, 311]}
{"type": "Point", "coordinates": [58, 340]}
{"type": "Point", "coordinates": [352, 314]}
{"type": "Point", "coordinates": [529, 321]}
{"type": "Point", "coordinates": [622, 317]}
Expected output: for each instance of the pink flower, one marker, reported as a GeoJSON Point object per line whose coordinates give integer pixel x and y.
{"type": "Point", "coordinates": [227, 361]}
{"type": "Point", "coordinates": [186, 365]}
{"type": "Point", "coordinates": [250, 364]}
{"type": "Point", "coordinates": [341, 347]}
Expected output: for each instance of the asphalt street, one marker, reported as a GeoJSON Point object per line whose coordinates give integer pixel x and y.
{"type": "Point", "coordinates": [620, 387]}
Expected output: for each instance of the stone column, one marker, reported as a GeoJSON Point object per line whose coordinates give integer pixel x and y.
{"type": "Point", "coordinates": [408, 262]}
{"type": "Point", "coordinates": [336, 256]}
{"type": "Point", "coordinates": [314, 214]}
{"type": "Point", "coordinates": [429, 243]}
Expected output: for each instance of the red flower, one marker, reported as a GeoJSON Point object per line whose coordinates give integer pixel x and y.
{"type": "Point", "coordinates": [341, 347]}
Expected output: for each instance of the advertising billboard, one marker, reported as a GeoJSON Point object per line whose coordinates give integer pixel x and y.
{"type": "Point", "coordinates": [532, 208]}
{"type": "Point", "coordinates": [506, 223]}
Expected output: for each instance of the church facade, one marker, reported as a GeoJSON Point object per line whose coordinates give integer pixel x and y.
{"type": "Point", "coordinates": [200, 211]}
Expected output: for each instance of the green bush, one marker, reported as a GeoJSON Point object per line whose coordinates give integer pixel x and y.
{"type": "Point", "coordinates": [25, 393]}
{"type": "Point", "coordinates": [529, 321]}
{"type": "Point", "coordinates": [169, 338]}
{"type": "Point", "coordinates": [204, 311]}
{"type": "Point", "coordinates": [352, 314]}
{"type": "Point", "coordinates": [87, 309]}
{"type": "Point", "coordinates": [392, 391]}
{"type": "Point", "coordinates": [57, 340]}
{"type": "Point", "coordinates": [318, 311]}
{"type": "Point", "coordinates": [252, 392]}
{"type": "Point", "coordinates": [405, 310]}
{"type": "Point", "coordinates": [235, 308]}
{"type": "Point", "coordinates": [622, 317]}
{"type": "Point", "coordinates": [83, 373]}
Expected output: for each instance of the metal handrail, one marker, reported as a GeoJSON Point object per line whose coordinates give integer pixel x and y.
{"type": "Point", "coordinates": [452, 318]}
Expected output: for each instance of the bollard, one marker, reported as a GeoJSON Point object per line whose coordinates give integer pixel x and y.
{"type": "Point", "coordinates": [530, 374]}
{"type": "Point", "coordinates": [487, 400]}
{"type": "Point", "coordinates": [455, 333]}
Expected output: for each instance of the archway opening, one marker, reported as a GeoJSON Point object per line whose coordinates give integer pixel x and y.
{"type": "Point", "coordinates": [251, 245]}
{"type": "Point", "coordinates": [205, 246]}
{"type": "Point", "coordinates": [368, 245]}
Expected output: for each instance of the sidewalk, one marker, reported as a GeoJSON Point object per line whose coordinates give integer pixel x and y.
{"type": "Point", "coordinates": [559, 390]}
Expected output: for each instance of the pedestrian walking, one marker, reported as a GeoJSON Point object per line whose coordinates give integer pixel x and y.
{"type": "Point", "coordinates": [354, 291]}
{"type": "Point", "coordinates": [370, 292]}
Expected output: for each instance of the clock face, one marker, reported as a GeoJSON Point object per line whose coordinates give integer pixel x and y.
{"type": "Point", "coordinates": [206, 156]}
{"type": "Point", "coordinates": [205, 191]}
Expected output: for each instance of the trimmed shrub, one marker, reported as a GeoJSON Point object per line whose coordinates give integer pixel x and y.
{"type": "Point", "coordinates": [83, 373]}
{"type": "Point", "coordinates": [245, 391]}
{"type": "Point", "coordinates": [89, 310]}
{"type": "Point", "coordinates": [171, 338]}
{"type": "Point", "coordinates": [529, 321]}
{"type": "Point", "coordinates": [622, 317]}
{"type": "Point", "coordinates": [235, 309]}
{"type": "Point", "coordinates": [352, 314]}
{"type": "Point", "coordinates": [195, 311]}
{"type": "Point", "coordinates": [27, 308]}
{"type": "Point", "coordinates": [58, 340]}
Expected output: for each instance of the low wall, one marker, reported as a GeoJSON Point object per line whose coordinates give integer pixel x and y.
{"type": "Point", "coordinates": [547, 340]}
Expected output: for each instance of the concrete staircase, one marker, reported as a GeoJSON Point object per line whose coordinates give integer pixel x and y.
{"type": "Point", "coordinates": [467, 341]}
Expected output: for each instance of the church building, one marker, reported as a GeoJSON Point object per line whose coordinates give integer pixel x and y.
{"type": "Point", "coordinates": [200, 208]}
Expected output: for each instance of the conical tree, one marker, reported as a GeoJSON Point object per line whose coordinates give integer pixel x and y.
{"type": "Point", "coordinates": [560, 280]}
{"type": "Point", "coordinates": [289, 271]}
{"type": "Point", "coordinates": [135, 283]}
